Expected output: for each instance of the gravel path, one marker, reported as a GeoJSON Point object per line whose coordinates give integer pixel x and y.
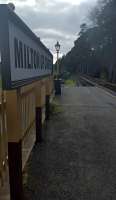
{"type": "Point", "coordinates": [77, 160]}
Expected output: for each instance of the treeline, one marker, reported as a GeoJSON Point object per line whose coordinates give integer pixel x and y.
{"type": "Point", "coordinates": [94, 50]}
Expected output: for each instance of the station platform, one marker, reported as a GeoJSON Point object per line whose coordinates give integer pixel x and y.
{"type": "Point", "coordinates": [77, 159]}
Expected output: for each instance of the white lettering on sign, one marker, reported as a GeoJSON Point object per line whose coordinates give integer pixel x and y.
{"type": "Point", "coordinates": [27, 58]}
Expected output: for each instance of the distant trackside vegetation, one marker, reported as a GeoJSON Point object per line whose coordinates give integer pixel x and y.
{"type": "Point", "coordinates": [94, 50]}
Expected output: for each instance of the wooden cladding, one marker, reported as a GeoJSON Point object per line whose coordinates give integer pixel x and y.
{"type": "Point", "coordinates": [18, 117]}
{"type": "Point", "coordinates": [3, 138]}
{"type": "Point", "coordinates": [27, 106]}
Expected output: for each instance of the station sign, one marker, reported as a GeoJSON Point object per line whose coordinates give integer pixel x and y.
{"type": "Point", "coordinates": [23, 57]}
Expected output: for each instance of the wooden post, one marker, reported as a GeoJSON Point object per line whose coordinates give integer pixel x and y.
{"type": "Point", "coordinates": [47, 114]}
{"type": "Point", "coordinates": [14, 144]}
{"type": "Point", "coordinates": [15, 170]}
{"type": "Point", "coordinates": [49, 88]}
{"type": "Point", "coordinates": [38, 124]}
{"type": "Point", "coordinates": [40, 102]}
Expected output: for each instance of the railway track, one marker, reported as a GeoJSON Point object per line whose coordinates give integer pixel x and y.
{"type": "Point", "coordinates": [86, 81]}
{"type": "Point", "coordinates": [82, 81]}
{"type": "Point", "coordinates": [110, 87]}
{"type": "Point", "coordinates": [105, 84]}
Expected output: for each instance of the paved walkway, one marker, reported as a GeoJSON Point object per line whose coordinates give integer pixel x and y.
{"type": "Point", "coordinates": [77, 160]}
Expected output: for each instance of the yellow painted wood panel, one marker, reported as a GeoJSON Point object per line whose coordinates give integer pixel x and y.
{"type": "Point", "coordinates": [13, 116]}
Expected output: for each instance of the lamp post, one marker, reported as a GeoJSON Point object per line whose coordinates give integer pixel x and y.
{"type": "Point", "coordinates": [92, 59]}
{"type": "Point", "coordinates": [57, 47]}
{"type": "Point", "coordinates": [57, 80]}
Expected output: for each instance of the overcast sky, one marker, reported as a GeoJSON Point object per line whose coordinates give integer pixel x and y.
{"type": "Point", "coordinates": [54, 20]}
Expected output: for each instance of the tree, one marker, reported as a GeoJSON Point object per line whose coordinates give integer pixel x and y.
{"type": "Point", "coordinates": [105, 20]}
{"type": "Point", "coordinates": [94, 49]}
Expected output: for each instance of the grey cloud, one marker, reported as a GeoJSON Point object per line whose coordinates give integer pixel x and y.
{"type": "Point", "coordinates": [67, 21]}
{"type": "Point", "coordinates": [51, 42]}
{"type": "Point", "coordinates": [52, 33]}
{"type": "Point", "coordinates": [50, 36]}
{"type": "Point", "coordinates": [6, 1]}
{"type": "Point", "coordinates": [2, 1]}
{"type": "Point", "coordinates": [53, 20]}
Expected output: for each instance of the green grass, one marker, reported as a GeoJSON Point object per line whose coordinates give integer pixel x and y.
{"type": "Point", "coordinates": [70, 82]}
{"type": "Point", "coordinates": [55, 107]}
